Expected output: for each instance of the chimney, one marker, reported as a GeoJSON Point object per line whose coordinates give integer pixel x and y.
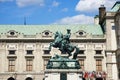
{"type": "Point", "coordinates": [102, 11]}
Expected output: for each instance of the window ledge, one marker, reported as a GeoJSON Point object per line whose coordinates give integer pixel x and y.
{"type": "Point", "coordinates": [46, 56]}
{"type": "Point", "coordinates": [98, 56]}
{"type": "Point", "coordinates": [11, 56]}
{"type": "Point", "coordinates": [29, 56]}
{"type": "Point", "coordinates": [81, 56]}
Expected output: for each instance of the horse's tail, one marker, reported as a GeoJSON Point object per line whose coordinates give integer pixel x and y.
{"type": "Point", "coordinates": [76, 52]}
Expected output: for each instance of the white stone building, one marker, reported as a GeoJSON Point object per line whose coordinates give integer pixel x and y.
{"type": "Point", "coordinates": [24, 48]}
{"type": "Point", "coordinates": [109, 21]}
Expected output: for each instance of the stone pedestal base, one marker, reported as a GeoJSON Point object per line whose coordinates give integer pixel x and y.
{"type": "Point", "coordinates": [63, 74]}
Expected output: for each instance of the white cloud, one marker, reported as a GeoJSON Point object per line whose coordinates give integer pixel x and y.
{"type": "Point", "coordinates": [23, 3]}
{"type": "Point", "coordinates": [65, 9]}
{"type": "Point", "coordinates": [6, 0]}
{"type": "Point", "coordinates": [78, 19]}
{"type": "Point", "coordinates": [93, 5]}
{"type": "Point", "coordinates": [55, 4]}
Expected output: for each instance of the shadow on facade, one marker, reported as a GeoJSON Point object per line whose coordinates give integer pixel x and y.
{"type": "Point", "coordinates": [28, 78]}
{"type": "Point", "coordinates": [11, 78]}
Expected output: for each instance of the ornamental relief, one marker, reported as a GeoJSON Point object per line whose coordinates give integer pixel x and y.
{"type": "Point", "coordinates": [98, 46]}
{"type": "Point", "coordinates": [11, 46]}
{"type": "Point", "coordinates": [29, 46]}
{"type": "Point", "coordinates": [80, 33]}
{"type": "Point", "coordinates": [12, 33]}
{"type": "Point", "coordinates": [45, 46]}
{"type": "Point", "coordinates": [82, 46]}
{"type": "Point", "coordinates": [46, 33]}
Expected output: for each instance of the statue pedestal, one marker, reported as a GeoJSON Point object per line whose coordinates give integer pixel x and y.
{"type": "Point", "coordinates": [60, 68]}
{"type": "Point", "coordinates": [63, 74]}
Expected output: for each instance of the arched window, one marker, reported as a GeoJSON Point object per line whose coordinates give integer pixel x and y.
{"type": "Point", "coordinates": [28, 78]}
{"type": "Point", "coordinates": [11, 78]}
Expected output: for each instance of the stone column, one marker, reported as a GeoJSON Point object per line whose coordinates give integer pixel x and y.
{"type": "Point", "coordinates": [109, 65]}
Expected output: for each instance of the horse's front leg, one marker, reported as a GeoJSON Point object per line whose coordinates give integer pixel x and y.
{"type": "Point", "coordinates": [76, 53]}
{"type": "Point", "coordinates": [51, 44]}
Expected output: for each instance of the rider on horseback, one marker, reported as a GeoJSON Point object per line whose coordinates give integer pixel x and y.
{"type": "Point", "coordinates": [66, 40]}
{"type": "Point", "coordinates": [63, 43]}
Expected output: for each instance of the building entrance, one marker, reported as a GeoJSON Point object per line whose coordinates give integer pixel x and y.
{"type": "Point", "coordinates": [11, 78]}
{"type": "Point", "coordinates": [28, 78]}
{"type": "Point", "coordinates": [63, 76]}
{"type": "Point", "coordinates": [99, 78]}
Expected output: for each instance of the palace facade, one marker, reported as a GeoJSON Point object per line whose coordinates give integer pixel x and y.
{"type": "Point", "coordinates": [24, 48]}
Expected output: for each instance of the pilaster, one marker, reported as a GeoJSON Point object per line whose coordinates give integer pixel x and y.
{"type": "Point", "coordinates": [111, 65]}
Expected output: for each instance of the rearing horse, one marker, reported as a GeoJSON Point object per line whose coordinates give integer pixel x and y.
{"type": "Point", "coordinates": [57, 39]}
{"type": "Point", "coordinates": [64, 45]}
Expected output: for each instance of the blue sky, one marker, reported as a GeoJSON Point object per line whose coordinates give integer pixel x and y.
{"type": "Point", "coordinates": [51, 11]}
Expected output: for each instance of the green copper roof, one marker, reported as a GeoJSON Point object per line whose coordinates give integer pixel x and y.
{"type": "Point", "coordinates": [116, 7]}
{"type": "Point", "coordinates": [33, 29]}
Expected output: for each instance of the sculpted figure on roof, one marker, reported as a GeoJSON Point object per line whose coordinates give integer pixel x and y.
{"type": "Point", "coordinates": [63, 43]}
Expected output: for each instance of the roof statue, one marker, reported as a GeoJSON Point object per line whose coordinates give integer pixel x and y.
{"type": "Point", "coordinates": [63, 43]}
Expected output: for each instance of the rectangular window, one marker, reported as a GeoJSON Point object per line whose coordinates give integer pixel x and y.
{"type": "Point", "coordinates": [29, 64]}
{"type": "Point", "coordinates": [81, 52]}
{"type": "Point", "coordinates": [29, 52]}
{"type": "Point", "coordinates": [11, 52]}
{"type": "Point", "coordinates": [113, 27]}
{"type": "Point", "coordinates": [45, 63]}
{"type": "Point", "coordinates": [98, 65]}
{"type": "Point", "coordinates": [11, 65]}
{"type": "Point", "coordinates": [98, 52]}
{"type": "Point", "coordinates": [81, 61]}
{"type": "Point", "coordinates": [46, 52]}
{"type": "Point", "coordinates": [63, 76]}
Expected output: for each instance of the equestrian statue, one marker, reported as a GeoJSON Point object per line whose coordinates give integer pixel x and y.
{"type": "Point", "coordinates": [63, 43]}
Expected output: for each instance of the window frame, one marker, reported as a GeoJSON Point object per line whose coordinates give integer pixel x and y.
{"type": "Point", "coordinates": [29, 64]}
{"type": "Point", "coordinates": [29, 52]}
{"type": "Point", "coordinates": [46, 52]}
{"type": "Point", "coordinates": [82, 63]}
{"type": "Point", "coordinates": [12, 52]}
{"type": "Point", "coordinates": [11, 65]}
{"type": "Point", "coordinates": [98, 52]}
{"type": "Point", "coordinates": [83, 52]}
{"type": "Point", "coordinates": [98, 64]}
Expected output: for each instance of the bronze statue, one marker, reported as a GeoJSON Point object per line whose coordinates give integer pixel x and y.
{"type": "Point", "coordinates": [63, 43]}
